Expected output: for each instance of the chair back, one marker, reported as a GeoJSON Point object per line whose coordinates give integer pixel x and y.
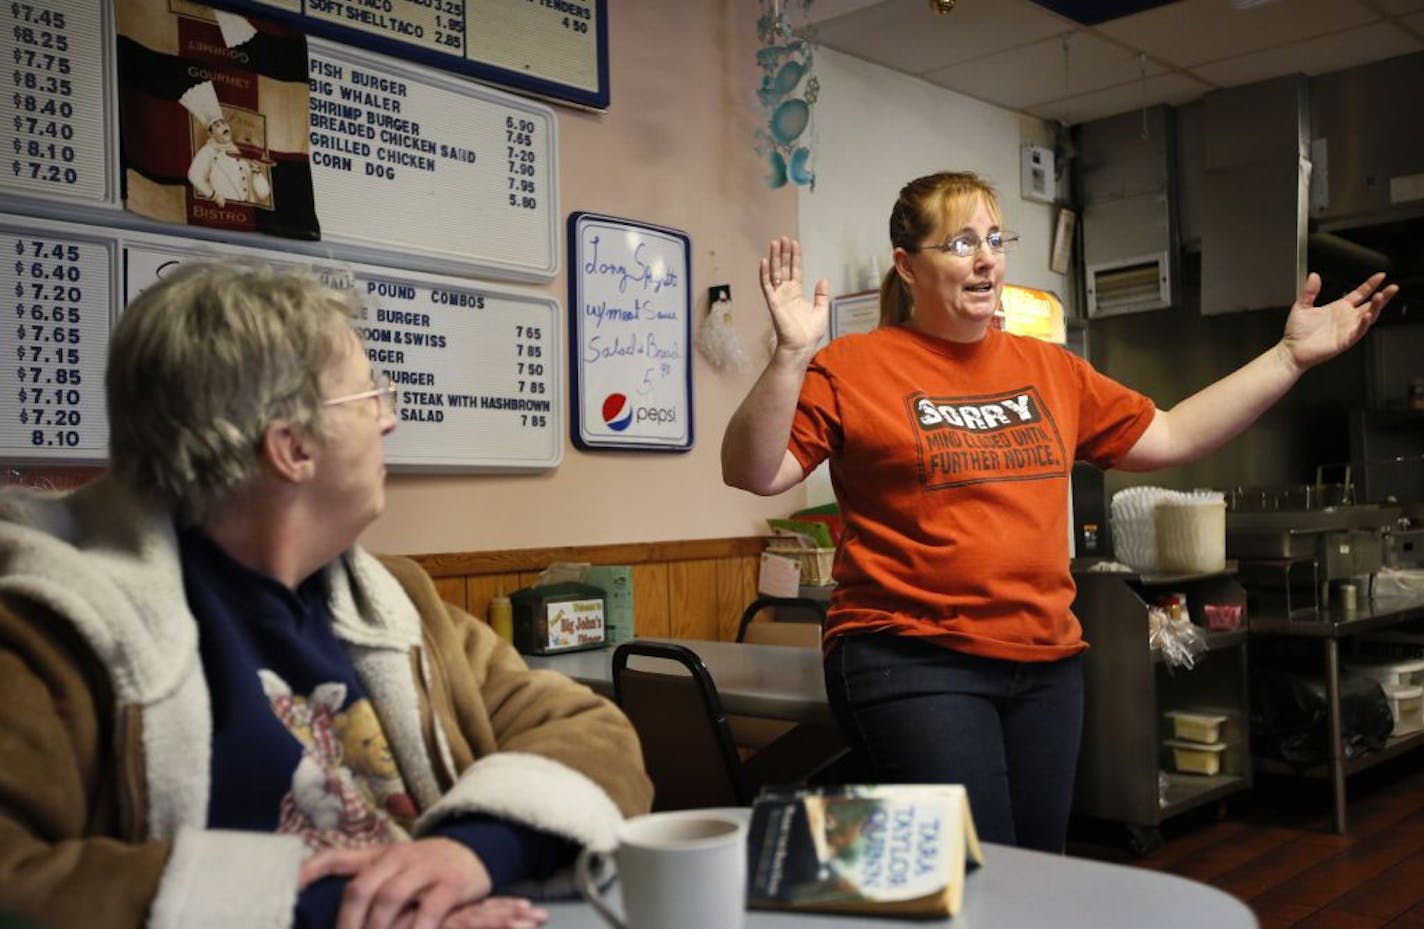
{"type": "Point", "coordinates": [803, 635]}
{"type": "Point", "coordinates": [687, 747]}
{"type": "Point", "coordinates": [788, 610]}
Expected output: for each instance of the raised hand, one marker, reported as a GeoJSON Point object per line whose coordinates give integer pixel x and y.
{"type": "Point", "coordinates": [800, 323]}
{"type": "Point", "coordinates": [1317, 333]}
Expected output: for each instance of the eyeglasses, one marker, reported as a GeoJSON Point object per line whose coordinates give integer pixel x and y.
{"type": "Point", "coordinates": [967, 243]}
{"type": "Point", "coordinates": [382, 388]}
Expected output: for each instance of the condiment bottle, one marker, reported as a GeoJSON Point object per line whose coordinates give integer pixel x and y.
{"type": "Point", "coordinates": [501, 616]}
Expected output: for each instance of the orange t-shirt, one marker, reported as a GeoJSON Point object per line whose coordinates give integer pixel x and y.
{"type": "Point", "coordinates": [951, 464]}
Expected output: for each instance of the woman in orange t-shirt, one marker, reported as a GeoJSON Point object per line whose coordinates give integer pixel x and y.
{"type": "Point", "coordinates": [952, 654]}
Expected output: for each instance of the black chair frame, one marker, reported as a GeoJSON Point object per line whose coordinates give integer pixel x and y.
{"type": "Point", "coordinates": [711, 702]}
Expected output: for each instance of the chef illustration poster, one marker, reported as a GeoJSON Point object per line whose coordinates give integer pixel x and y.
{"type": "Point", "coordinates": [213, 119]}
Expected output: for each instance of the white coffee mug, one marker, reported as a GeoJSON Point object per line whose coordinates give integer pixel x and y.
{"type": "Point", "coordinates": [684, 869]}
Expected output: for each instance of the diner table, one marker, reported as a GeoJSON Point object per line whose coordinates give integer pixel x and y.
{"type": "Point", "coordinates": [1022, 889]}
{"type": "Point", "coordinates": [772, 681]}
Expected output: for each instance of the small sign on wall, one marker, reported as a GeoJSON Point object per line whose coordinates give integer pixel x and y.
{"type": "Point", "coordinates": [630, 321]}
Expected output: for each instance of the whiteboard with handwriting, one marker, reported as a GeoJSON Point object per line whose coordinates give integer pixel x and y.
{"type": "Point", "coordinates": [630, 321]}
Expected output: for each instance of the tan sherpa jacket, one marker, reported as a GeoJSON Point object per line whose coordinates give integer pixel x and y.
{"type": "Point", "coordinates": [105, 724]}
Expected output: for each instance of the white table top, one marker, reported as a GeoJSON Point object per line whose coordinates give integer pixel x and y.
{"type": "Point", "coordinates": [774, 681]}
{"type": "Point", "coordinates": [1023, 889]}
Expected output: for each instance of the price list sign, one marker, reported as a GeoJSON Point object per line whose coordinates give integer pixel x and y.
{"type": "Point", "coordinates": [449, 168]}
{"type": "Point", "coordinates": [478, 367]}
{"type": "Point", "coordinates": [55, 339]}
{"type": "Point", "coordinates": [555, 48]}
{"type": "Point", "coordinates": [52, 108]}
{"type": "Point", "coordinates": [478, 372]}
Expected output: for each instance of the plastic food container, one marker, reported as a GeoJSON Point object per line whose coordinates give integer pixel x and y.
{"type": "Point", "coordinates": [1402, 671]}
{"type": "Point", "coordinates": [1196, 757]}
{"type": "Point", "coordinates": [1406, 704]}
{"type": "Point", "coordinates": [1223, 616]}
{"type": "Point", "coordinates": [1196, 727]}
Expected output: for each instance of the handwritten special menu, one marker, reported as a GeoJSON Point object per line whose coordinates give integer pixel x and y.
{"type": "Point", "coordinates": [630, 318]}
{"type": "Point", "coordinates": [555, 48]}
{"type": "Point", "coordinates": [478, 366]}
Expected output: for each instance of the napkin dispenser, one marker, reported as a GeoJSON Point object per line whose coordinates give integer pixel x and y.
{"type": "Point", "coordinates": [554, 618]}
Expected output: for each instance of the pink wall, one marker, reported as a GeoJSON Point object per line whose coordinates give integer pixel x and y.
{"type": "Point", "coordinates": [674, 148]}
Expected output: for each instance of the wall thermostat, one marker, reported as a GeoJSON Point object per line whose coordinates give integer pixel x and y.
{"type": "Point", "coordinates": [1036, 173]}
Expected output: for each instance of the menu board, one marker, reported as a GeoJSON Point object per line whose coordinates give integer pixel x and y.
{"type": "Point", "coordinates": [630, 313]}
{"type": "Point", "coordinates": [451, 168]}
{"type": "Point", "coordinates": [53, 112]}
{"type": "Point", "coordinates": [478, 365]}
{"type": "Point", "coordinates": [553, 48]}
{"type": "Point", "coordinates": [410, 167]}
{"type": "Point", "coordinates": [57, 285]}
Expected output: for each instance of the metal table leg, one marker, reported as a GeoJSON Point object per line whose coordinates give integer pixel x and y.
{"type": "Point", "coordinates": [1337, 741]}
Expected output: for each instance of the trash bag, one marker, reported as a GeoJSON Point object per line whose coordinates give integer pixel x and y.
{"type": "Point", "coordinates": [1290, 719]}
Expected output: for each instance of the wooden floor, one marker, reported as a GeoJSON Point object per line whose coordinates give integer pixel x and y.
{"type": "Point", "coordinates": [1274, 849]}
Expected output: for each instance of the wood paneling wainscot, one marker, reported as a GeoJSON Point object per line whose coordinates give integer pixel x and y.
{"type": "Point", "coordinates": [695, 589]}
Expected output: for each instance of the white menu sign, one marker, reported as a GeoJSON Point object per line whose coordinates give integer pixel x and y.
{"type": "Point", "coordinates": [479, 366]}
{"type": "Point", "coordinates": [56, 284]}
{"type": "Point", "coordinates": [53, 108]}
{"type": "Point", "coordinates": [555, 48]}
{"type": "Point", "coordinates": [405, 158]}
{"type": "Point", "coordinates": [411, 167]}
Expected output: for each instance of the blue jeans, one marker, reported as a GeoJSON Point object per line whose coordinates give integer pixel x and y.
{"type": "Point", "coordinates": [1008, 731]}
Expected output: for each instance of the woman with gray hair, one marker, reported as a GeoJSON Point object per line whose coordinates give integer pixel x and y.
{"type": "Point", "coordinates": [221, 711]}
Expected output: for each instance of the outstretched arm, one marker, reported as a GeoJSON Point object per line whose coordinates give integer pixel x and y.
{"type": "Point", "coordinates": [1219, 412]}
{"type": "Point", "coordinates": [754, 453]}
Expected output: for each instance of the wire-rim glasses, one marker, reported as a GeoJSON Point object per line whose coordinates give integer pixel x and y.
{"type": "Point", "coordinates": [967, 243]}
{"type": "Point", "coordinates": [381, 388]}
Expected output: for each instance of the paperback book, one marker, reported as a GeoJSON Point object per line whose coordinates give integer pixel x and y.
{"type": "Point", "coordinates": [886, 850]}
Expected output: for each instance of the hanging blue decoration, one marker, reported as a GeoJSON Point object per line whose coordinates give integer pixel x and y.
{"type": "Point", "coordinates": [798, 171]}
{"type": "Point", "coordinates": [777, 177]}
{"type": "Point", "coordinates": [786, 93]}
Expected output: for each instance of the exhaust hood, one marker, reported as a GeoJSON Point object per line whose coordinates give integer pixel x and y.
{"type": "Point", "coordinates": [1369, 186]}
{"type": "Point", "coordinates": [1322, 174]}
{"type": "Point", "coordinates": [1255, 190]}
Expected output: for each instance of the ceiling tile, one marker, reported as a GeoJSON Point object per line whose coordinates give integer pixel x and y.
{"type": "Point", "coordinates": [907, 36]}
{"type": "Point", "coordinates": [1173, 88]}
{"type": "Point", "coordinates": [1313, 56]}
{"type": "Point", "coordinates": [1036, 73]}
{"type": "Point", "coordinates": [1195, 31]}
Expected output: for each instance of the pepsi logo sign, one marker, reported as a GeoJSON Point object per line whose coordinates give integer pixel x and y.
{"type": "Point", "coordinates": [617, 412]}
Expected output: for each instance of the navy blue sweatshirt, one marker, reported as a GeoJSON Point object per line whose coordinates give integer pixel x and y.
{"type": "Point", "coordinates": [297, 746]}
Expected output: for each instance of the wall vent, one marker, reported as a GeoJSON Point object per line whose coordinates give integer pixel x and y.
{"type": "Point", "coordinates": [1130, 286]}
{"type": "Point", "coordinates": [1127, 173]}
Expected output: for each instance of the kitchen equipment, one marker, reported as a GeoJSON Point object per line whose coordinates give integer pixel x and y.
{"type": "Point", "coordinates": [1292, 557]}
